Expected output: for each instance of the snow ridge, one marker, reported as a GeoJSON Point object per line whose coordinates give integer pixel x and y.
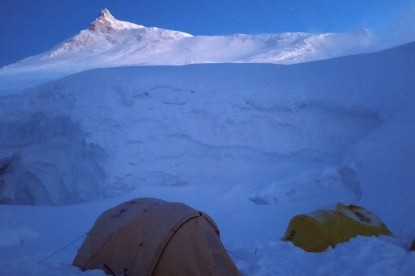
{"type": "Point", "coordinates": [109, 42]}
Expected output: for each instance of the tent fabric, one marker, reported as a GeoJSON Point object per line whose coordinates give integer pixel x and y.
{"type": "Point", "coordinates": [318, 231]}
{"type": "Point", "coordinates": [154, 237]}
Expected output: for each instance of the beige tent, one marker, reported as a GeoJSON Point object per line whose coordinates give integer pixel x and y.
{"type": "Point", "coordinates": [155, 237]}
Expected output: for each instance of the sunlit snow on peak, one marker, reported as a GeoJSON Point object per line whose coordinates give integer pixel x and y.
{"type": "Point", "coordinates": [109, 34]}
{"type": "Point", "coordinates": [107, 23]}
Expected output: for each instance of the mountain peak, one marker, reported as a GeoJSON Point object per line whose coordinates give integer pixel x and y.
{"type": "Point", "coordinates": [107, 23]}
{"type": "Point", "coordinates": [106, 15]}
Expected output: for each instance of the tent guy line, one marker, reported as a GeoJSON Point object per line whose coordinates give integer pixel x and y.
{"type": "Point", "coordinates": [63, 248]}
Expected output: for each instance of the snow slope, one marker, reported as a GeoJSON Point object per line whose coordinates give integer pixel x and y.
{"type": "Point", "coordinates": [109, 42]}
{"type": "Point", "coordinates": [249, 144]}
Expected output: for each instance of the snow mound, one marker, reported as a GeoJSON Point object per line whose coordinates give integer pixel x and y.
{"type": "Point", "coordinates": [364, 256]}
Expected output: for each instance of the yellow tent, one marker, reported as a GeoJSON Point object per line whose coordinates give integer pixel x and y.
{"type": "Point", "coordinates": [317, 231]}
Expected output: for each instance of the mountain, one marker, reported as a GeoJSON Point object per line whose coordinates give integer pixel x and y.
{"type": "Point", "coordinates": [135, 44]}
{"type": "Point", "coordinates": [108, 35]}
{"type": "Point", "coordinates": [108, 42]}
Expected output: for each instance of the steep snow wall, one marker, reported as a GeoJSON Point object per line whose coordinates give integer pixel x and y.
{"type": "Point", "coordinates": [281, 132]}
{"type": "Point", "coordinates": [45, 160]}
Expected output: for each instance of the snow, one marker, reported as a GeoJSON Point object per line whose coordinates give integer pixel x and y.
{"type": "Point", "coordinates": [107, 23]}
{"type": "Point", "coordinates": [237, 135]}
{"type": "Point", "coordinates": [251, 145]}
{"type": "Point", "coordinates": [109, 42]}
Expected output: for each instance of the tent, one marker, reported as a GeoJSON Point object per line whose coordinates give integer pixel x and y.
{"type": "Point", "coordinates": [318, 231]}
{"type": "Point", "coordinates": [153, 237]}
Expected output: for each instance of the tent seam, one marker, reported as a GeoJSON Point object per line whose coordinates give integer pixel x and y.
{"type": "Point", "coordinates": [173, 231]}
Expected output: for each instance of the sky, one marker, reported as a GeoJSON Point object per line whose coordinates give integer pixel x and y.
{"type": "Point", "coordinates": [29, 27]}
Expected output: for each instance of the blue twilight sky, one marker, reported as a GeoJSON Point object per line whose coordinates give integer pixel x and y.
{"type": "Point", "coordinates": [29, 27]}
